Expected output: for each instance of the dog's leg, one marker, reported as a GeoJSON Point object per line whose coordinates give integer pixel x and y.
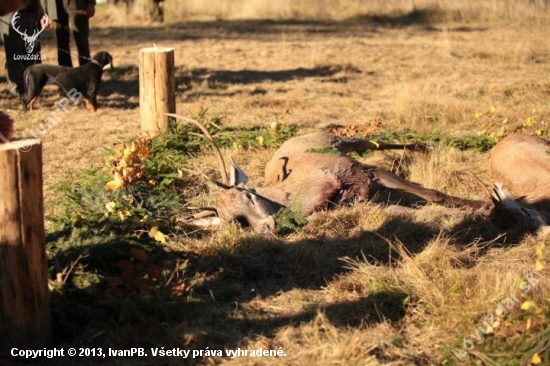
{"type": "Point", "coordinates": [35, 80]}
{"type": "Point", "coordinates": [90, 105]}
{"type": "Point", "coordinates": [31, 102]}
{"type": "Point", "coordinates": [93, 98]}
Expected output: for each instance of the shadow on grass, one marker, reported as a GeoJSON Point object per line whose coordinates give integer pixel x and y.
{"type": "Point", "coordinates": [253, 268]}
{"type": "Point", "coordinates": [122, 83]}
{"type": "Point", "coordinates": [268, 30]}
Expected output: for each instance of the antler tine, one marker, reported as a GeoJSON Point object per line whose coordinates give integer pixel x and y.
{"type": "Point", "coordinates": [208, 137]}
{"type": "Point", "coordinates": [480, 183]}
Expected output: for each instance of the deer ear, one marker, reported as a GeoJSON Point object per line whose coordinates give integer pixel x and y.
{"type": "Point", "coordinates": [236, 176]}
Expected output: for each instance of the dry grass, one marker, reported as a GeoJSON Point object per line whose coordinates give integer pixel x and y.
{"type": "Point", "coordinates": [334, 292]}
{"type": "Point", "coordinates": [462, 10]}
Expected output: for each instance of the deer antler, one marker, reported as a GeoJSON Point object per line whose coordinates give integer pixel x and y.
{"type": "Point", "coordinates": [206, 135]}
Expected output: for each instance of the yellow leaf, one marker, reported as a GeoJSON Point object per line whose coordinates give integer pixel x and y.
{"type": "Point", "coordinates": [180, 173]}
{"type": "Point", "coordinates": [127, 153]}
{"type": "Point", "coordinates": [112, 185]}
{"type": "Point", "coordinates": [156, 234]}
{"type": "Point", "coordinates": [478, 115]}
{"type": "Point", "coordinates": [528, 324]}
{"type": "Point", "coordinates": [492, 110]}
{"type": "Point", "coordinates": [489, 330]}
{"type": "Point", "coordinates": [539, 266]}
{"type": "Point", "coordinates": [118, 178]}
{"type": "Point", "coordinates": [535, 360]}
{"type": "Point", "coordinates": [110, 206]}
{"type": "Point", "coordinates": [527, 305]}
{"type": "Point", "coordinates": [122, 214]}
{"type": "Point", "coordinates": [260, 140]}
{"type": "Point", "coordinates": [160, 237]}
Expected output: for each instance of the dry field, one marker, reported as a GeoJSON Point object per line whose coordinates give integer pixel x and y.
{"type": "Point", "coordinates": [358, 286]}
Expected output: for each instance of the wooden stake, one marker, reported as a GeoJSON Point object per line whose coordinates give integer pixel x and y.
{"type": "Point", "coordinates": [25, 319]}
{"type": "Point", "coordinates": [157, 88]}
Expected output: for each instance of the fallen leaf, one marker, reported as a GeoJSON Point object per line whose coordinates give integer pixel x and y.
{"type": "Point", "coordinates": [535, 360]}
{"type": "Point", "coordinates": [139, 254]}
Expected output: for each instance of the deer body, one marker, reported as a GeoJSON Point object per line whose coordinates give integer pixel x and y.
{"type": "Point", "coordinates": [313, 173]}
{"type": "Point", "coordinates": [521, 164]}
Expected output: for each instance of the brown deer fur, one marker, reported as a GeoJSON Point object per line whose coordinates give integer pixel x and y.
{"type": "Point", "coordinates": [521, 164]}
{"type": "Point", "coordinates": [313, 173]}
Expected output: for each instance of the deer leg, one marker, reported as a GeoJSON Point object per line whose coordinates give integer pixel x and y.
{"type": "Point", "coordinates": [391, 181]}
{"type": "Point", "coordinates": [349, 144]}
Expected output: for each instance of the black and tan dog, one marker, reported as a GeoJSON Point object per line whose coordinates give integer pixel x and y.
{"type": "Point", "coordinates": [84, 79]}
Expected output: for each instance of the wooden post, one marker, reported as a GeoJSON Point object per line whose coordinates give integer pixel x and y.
{"type": "Point", "coordinates": [25, 319]}
{"type": "Point", "coordinates": [157, 88]}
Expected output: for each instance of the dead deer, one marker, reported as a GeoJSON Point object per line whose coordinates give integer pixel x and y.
{"type": "Point", "coordinates": [313, 173]}
{"type": "Point", "coordinates": [520, 166]}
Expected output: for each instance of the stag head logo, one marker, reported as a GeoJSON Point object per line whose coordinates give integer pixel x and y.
{"type": "Point", "coordinates": [30, 41]}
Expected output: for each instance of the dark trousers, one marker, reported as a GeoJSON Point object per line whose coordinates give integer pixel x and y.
{"type": "Point", "coordinates": [80, 25]}
{"type": "Point", "coordinates": [14, 46]}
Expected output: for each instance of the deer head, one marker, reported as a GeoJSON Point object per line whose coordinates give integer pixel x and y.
{"type": "Point", "coordinates": [244, 205]}
{"type": "Point", "coordinates": [238, 202]}
{"type": "Point", "coordinates": [30, 41]}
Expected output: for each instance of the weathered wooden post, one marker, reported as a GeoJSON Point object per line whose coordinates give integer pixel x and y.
{"type": "Point", "coordinates": [157, 88]}
{"type": "Point", "coordinates": [25, 319]}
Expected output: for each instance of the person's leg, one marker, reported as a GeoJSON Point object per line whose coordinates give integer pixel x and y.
{"type": "Point", "coordinates": [82, 25]}
{"type": "Point", "coordinates": [62, 36]}
{"type": "Point", "coordinates": [14, 47]}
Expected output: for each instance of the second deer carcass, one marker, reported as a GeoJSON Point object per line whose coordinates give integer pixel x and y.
{"type": "Point", "coordinates": [313, 173]}
{"type": "Point", "coordinates": [520, 167]}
